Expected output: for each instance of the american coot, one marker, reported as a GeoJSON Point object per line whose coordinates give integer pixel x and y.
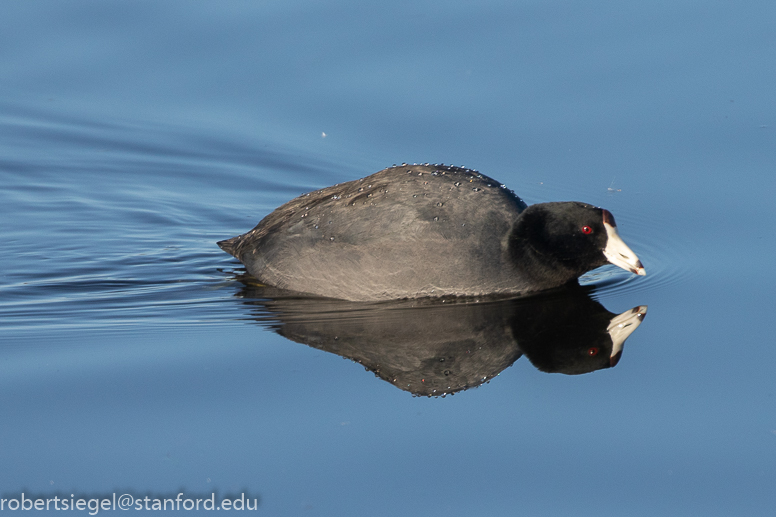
{"type": "Point", "coordinates": [412, 231]}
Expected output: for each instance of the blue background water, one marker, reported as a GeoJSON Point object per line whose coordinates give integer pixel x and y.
{"type": "Point", "coordinates": [133, 136]}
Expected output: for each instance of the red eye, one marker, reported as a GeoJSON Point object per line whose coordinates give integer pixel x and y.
{"type": "Point", "coordinates": [587, 230]}
{"type": "Point", "coordinates": [592, 352]}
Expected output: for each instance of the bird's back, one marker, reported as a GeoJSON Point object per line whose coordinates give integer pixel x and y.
{"type": "Point", "coordinates": [406, 231]}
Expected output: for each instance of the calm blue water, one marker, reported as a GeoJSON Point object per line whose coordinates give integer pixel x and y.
{"type": "Point", "coordinates": [134, 358]}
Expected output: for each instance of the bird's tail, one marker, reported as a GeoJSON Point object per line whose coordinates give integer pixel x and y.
{"type": "Point", "coordinates": [230, 245]}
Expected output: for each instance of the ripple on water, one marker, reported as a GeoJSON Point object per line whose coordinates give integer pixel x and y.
{"type": "Point", "coordinates": [114, 226]}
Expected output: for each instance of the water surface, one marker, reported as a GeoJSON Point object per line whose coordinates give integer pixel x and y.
{"type": "Point", "coordinates": [134, 358]}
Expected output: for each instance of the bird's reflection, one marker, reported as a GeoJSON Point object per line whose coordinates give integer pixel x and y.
{"type": "Point", "coordinates": [433, 347]}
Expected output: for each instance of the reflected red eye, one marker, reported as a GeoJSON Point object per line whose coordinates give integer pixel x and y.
{"type": "Point", "coordinates": [587, 230]}
{"type": "Point", "coordinates": [592, 352]}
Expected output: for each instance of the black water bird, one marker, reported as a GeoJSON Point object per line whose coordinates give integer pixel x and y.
{"type": "Point", "coordinates": [415, 231]}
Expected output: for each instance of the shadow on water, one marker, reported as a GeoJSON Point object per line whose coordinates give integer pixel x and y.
{"type": "Point", "coordinates": [435, 347]}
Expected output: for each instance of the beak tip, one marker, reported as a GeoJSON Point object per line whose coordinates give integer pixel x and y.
{"type": "Point", "coordinates": [619, 254]}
